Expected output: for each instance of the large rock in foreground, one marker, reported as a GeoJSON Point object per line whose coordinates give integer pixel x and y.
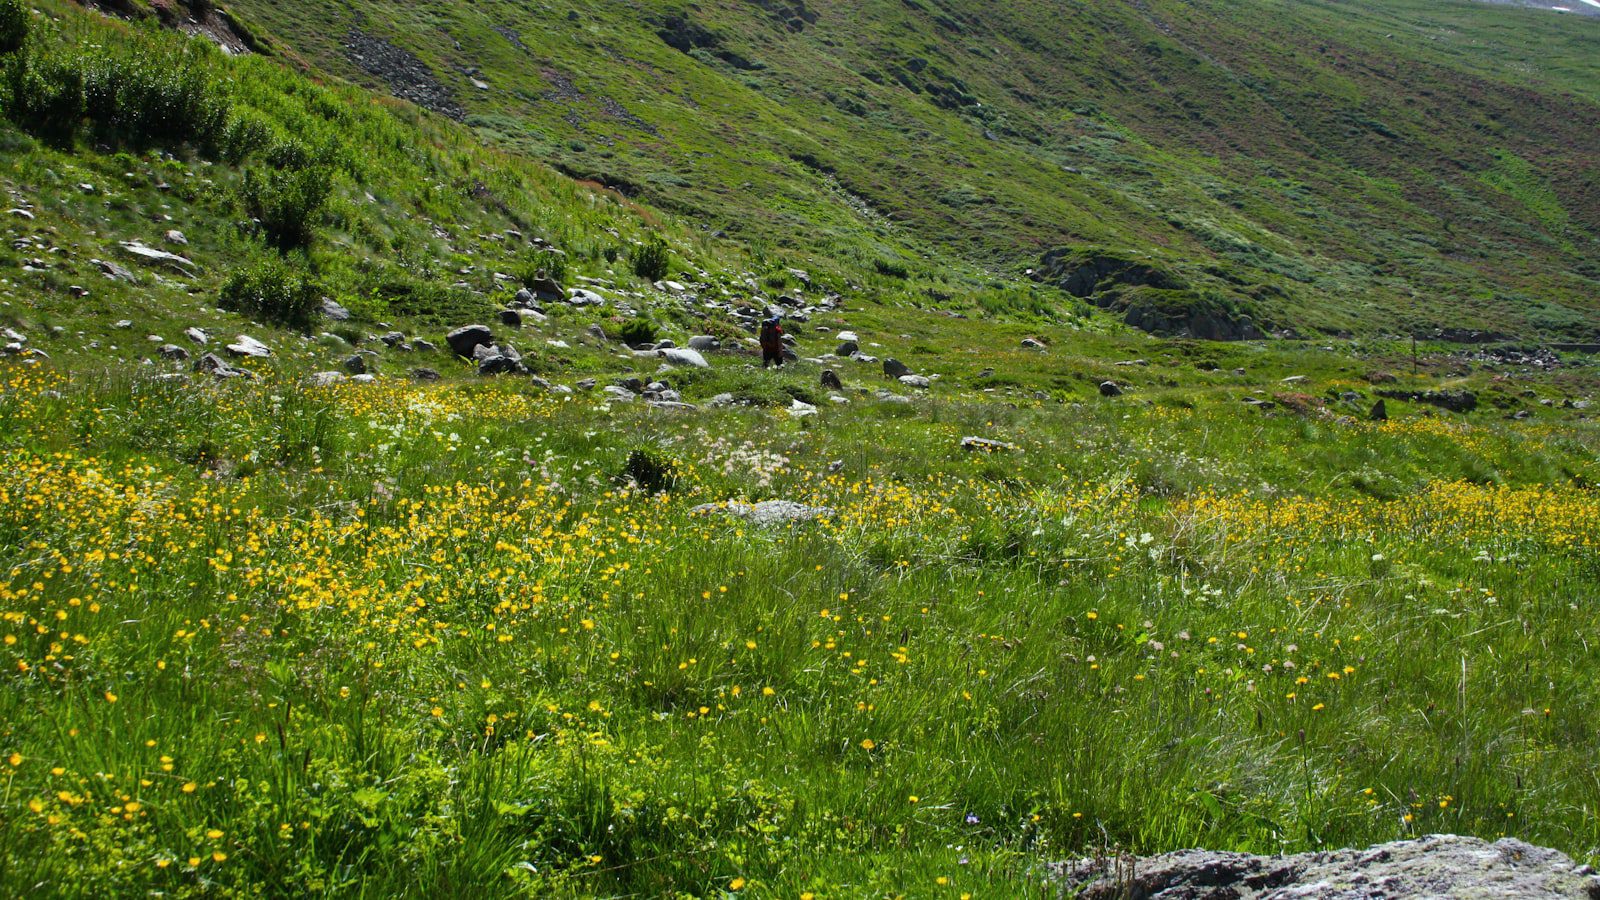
{"type": "Point", "coordinates": [1439, 865]}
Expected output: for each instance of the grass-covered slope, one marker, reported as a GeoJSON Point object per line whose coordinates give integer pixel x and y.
{"type": "Point", "coordinates": [1366, 166]}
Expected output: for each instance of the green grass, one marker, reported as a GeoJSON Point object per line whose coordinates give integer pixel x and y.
{"type": "Point", "coordinates": [402, 639]}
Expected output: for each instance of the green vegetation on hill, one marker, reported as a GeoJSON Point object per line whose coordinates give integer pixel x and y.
{"type": "Point", "coordinates": [1332, 166]}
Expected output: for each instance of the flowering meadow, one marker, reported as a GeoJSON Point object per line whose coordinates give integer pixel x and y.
{"type": "Point", "coordinates": [264, 639]}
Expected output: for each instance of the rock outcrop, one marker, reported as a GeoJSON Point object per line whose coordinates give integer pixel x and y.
{"type": "Point", "coordinates": [1433, 866]}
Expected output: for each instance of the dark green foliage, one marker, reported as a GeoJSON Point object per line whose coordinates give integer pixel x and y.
{"type": "Point", "coordinates": [154, 96]}
{"type": "Point", "coordinates": [13, 25]}
{"type": "Point", "coordinates": [286, 204]}
{"type": "Point", "coordinates": [653, 471]}
{"type": "Point", "coordinates": [155, 91]}
{"type": "Point", "coordinates": [633, 332]}
{"type": "Point", "coordinates": [890, 268]}
{"type": "Point", "coordinates": [44, 95]}
{"type": "Point", "coordinates": [272, 290]}
{"type": "Point", "coordinates": [652, 259]}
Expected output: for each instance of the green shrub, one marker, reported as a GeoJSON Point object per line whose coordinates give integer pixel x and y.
{"type": "Point", "coordinates": [553, 265]}
{"type": "Point", "coordinates": [652, 259]}
{"type": "Point", "coordinates": [891, 269]}
{"type": "Point", "coordinates": [155, 96]}
{"type": "Point", "coordinates": [13, 25]}
{"type": "Point", "coordinates": [44, 96]}
{"type": "Point", "coordinates": [652, 471]}
{"type": "Point", "coordinates": [633, 332]}
{"type": "Point", "coordinates": [287, 204]}
{"type": "Point", "coordinates": [272, 291]}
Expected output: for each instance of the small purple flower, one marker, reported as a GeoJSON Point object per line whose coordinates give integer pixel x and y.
{"type": "Point", "coordinates": [972, 819]}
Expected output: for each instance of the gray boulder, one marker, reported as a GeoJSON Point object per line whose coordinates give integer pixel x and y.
{"type": "Point", "coordinates": [356, 365]}
{"type": "Point", "coordinates": [1110, 389]}
{"type": "Point", "coordinates": [334, 310]}
{"type": "Point", "coordinates": [830, 380]}
{"type": "Point", "coordinates": [704, 343]}
{"type": "Point", "coordinates": [468, 338]}
{"type": "Point", "coordinates": [245, 345]}
{"type": "Point", "coordinates": [511, 317]}
{"type": "Point", "coordinates": [173, 352]}
{"type": "Point", "coordinates": [1380, 412]}
{"type": "Point", "coordinates": [847, 348]}
{"type": "Point", "coordinates": [894, 368]}
{"type": "Point", "coordinates": [916, 381]}
{"type": "Point", "coordinates": [1439, 865]}
{"type": "Point", "coordinates": [683, 357]}
{"type": "Point", "coordinates": [196, 335]}
{"type": "Point", "coordinates": [212, 364]}
{"type": "Point", "coordinates": [986, 445]}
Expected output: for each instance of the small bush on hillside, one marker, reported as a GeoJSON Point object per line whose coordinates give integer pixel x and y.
{"type": "Point", "coordinates": [652, 259]}
{"type": "Point", "coordinates": [652, 471]}
{"type": "Point", "coordinates": [287, 204]}
{"type": "Point", "coordinates": [44, 96]}
{"type": "Point", "coordinates": [13, 25]}
{"type": "Point", "coordinates": [891, 269]}
{"type": "Point", "coordinates": [154, 97]}
{"type": "Point", "coordinates": [272, 291]}
{"type": "Point", "coordinates": [553, 265]}
{"type": "Point", "coordinates": [633, 332]}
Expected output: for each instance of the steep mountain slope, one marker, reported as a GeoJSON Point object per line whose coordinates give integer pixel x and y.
{"type": "Point", "coordinates": [1318, 166]}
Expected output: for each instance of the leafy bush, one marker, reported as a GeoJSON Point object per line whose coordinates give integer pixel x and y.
{"type": "Point", "coordinates": [272, 291]}
{"type": "Point", "coordinates": [286, 204]}
{"type": "Point", "coordinates": [13, 25]}
{"type": "Point", "coordinates": [633, 332]}
{"type": "Point", "coordinates": [652, 471]}
{"type": "Point", "coordinates": [155, 95]}
{"type": "Point", "coordinates": [552, 265]}
{"type": "Point", "coordinates": [652, 259]}
{"type": "Point", "coordinates": [891, 269]}
{"type": "Point", "coordinates": [44, 96]}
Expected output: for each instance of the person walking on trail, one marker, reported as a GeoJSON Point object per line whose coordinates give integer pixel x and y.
{"type": "Point", "coordinates": [771, 343]}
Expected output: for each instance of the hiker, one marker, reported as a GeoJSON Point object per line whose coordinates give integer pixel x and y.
{"type": "Point", "coordinates": [771, 342]}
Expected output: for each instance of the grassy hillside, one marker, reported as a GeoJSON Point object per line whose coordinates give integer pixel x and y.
{"type": "Point", "coordinates": [1408, 165]}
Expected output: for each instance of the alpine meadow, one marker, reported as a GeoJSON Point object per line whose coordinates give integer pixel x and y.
{"type": "Point", "coordinates": [799, 449]}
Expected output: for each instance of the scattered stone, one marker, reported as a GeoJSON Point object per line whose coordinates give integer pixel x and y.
{"type": "Point", "coordinates": [830, 380]}
{"type": "Point", "coordinates": [21, 213]}
{"type": "Point", "coordinates": [1033, 344]}
{"type": "Point", "coordinates": [704, 343]}
{"type": "Point", "coordinates": [356, 365]}
{"type": "Point", "coordinates": [848, 336]}
{"type": "Point", "coordinates": [1381, 378]}
{"type": "Point", "coordinates": [916, 381]}
{"type": "Point", "coordinates": [334, 310]}
{"type": "Point", "coordinates": [423, 346]}
{"type": "Point", "coordinates": [196, 335]}
{"type": "Point", "coordinates": [468, 338]}
{"type": "Point", "coordinates": [800, 409]}
{"type": "Point", "coordinates": [212, 364]}
{"type": "Point", "coordinates": [1380, 412]}
{"type": "Point", "coordinates": [424, 375]}
{"type": "Point", "coordinates": [894, 368]}
{"type": "Point", "coordinates": [123, 323]}
{"type": "Point", "coordinates": [666, 344]}
{"type": "Point", "coordinates": [595, 331]}
{"type": "Point", "coordinates": [1460, 401]}
{"type": "Point", "coordinates": [546, 288]}
{"type": "Point", "coordinates": [770, 512]}
{"type": "Point", "coordinates": [325, 379]}
{"type": "Point", "coordinates": [1110, 389]}
{"type": "Point", "coordinates": [1439, 865]}
{"type": "Point", "coordinates": [683, 357]}
{"type": "Point", "coordinates": [511, 317]}
{"type": "Point", "coordinates": [182, 265]}
{"type": "Point", "coordinates": [619, 393]}
{"type": "Point", "coordinates": [113, 271]}
{"type": "Point", "coordinates": [1293, 379]}
{"type": "Point", "coordinates": [393, 339]}
{"type": "Point", "coordinates": [173, 352]}
{"type": "Point", "coordinates": [847, 348]}
{"type": "Point", "coordinates": [987, 445]}
{"type": "Point", "coordinates": [245, 345]}
{"type": "Point", "coordinates": [581, 297]}
{"type": "Point", "coordinates": [174, 236]}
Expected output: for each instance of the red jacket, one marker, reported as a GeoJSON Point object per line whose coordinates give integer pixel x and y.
{"type": "Point", "coordinates": [772, 337]}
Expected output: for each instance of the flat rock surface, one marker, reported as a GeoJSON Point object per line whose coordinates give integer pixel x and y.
{"type": "Point", "coordinates": [1440, 865]}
